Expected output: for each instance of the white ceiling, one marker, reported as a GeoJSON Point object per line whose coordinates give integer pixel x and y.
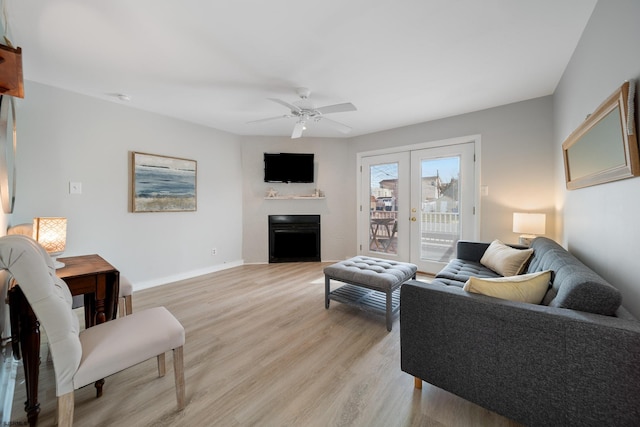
{"type": "Point", "coordinates": [216, 62]}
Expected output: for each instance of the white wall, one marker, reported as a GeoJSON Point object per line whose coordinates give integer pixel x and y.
{"type": "Point", "coordinates": [600, 223]}
{"type": "Point", "coordinates": [516, 149]}
{"type": "Point", "coordinates": [332, 167]}
{"type": "Point", "coordinates": [63, 136]}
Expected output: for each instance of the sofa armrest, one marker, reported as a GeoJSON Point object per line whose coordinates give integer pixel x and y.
{"type": "Point", "coordinates": [535, 364]}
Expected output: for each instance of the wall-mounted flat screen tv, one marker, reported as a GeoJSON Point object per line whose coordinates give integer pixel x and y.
{"type": "Point", "coordinates": [288, 167]}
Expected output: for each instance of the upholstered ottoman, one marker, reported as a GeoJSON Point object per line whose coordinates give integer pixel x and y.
{"type": "Point", "coordinates": [365, 278]}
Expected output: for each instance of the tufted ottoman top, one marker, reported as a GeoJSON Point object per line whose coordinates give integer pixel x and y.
{"type": "Point", "coordinates": [371, 272]}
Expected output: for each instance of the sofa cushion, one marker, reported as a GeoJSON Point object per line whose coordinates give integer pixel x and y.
{"type": "Point", "coordinates": [458, 271]}
{"type": "Point", "coordinates": [505, 260]}
{"type": "Point", "coordinates": [529, 288]}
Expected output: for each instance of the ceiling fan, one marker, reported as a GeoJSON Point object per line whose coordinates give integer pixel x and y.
{"type": "Point", "coordinates": [306, 113]}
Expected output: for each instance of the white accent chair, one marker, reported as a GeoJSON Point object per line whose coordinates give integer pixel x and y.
{"type": "Point", "coordinates": [81, 358]}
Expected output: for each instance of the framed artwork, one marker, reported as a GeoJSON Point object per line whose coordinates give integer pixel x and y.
{"type": "Point", "coordinates": [162, 183]}
{"type": "Point", "coordinates": [604, 147]}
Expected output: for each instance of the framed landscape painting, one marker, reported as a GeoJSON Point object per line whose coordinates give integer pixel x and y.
{"type": "Point", "coordinates": [162, 183]}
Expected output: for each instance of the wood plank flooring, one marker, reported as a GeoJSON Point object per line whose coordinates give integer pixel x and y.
{"type": "Point", "coordinates": [261, 350]}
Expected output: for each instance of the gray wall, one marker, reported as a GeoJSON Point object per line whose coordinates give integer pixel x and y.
{"type": "Point", "coordinates": [516, 148]}
{"type": "Point", "coordinates": [515, 156]}
{"type": "Point", "coordinates": [332, 169]}
{"type": "Point", "coordinates": [599, 223]}
{"type": "Point", "coordinates": [63, 136]}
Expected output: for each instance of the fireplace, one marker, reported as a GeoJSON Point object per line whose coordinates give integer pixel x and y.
{"type": "Point", "coordinates": [294, 238]}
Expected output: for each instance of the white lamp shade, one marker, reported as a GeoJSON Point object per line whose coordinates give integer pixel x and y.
{"type": "Point", "coordinates": [529, 223]}
{"type": "Point", "coordinates": [51, 233]}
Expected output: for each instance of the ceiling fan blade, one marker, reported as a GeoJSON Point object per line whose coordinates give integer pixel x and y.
{"type": "Point", "coordinates": [286, 116]}
{"type": "Point", "coordinates": [286, 104]}
{"type": "Point", "coordinates": [337, 108]}
{"type": "Point", "coordinates": [337, 125]}
{"type": "Point", "coordinates": [297, 130]}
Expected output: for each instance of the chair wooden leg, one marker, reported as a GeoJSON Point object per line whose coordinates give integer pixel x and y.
{"type": "Point", "coordinates": [128, 301]}
{"type": "Point", "coordinates": [125, 306]}
{"type": "Point", "coordinates": [178, 369]}
{"type": "Point", "coordinates": [162, 369]}
{"type": "Point", "coordinates": [65, 410]}
{"type": "Point", "coordinates": [417, 382]}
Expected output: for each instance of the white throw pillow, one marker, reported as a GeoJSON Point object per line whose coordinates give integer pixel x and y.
{"type": "Point", "coordinates": [529, 288]}
{"type": "Point", "coordinates": [505, 260]}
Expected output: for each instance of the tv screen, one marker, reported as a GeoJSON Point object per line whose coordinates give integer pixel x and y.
{"type": "Point", "coordinates": [288, 167]}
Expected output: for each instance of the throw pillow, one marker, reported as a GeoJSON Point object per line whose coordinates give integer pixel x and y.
{"type": "Point", "coordinates": [529, 288]}
{"type": "Point", "coordinates": [505, 260]}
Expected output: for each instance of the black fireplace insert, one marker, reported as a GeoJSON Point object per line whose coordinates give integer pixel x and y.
{"type": "Point", "coordinates": [294, 238]}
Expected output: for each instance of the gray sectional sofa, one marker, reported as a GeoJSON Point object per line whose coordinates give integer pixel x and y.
{"type": "Point", "coordinates": [572, 360]}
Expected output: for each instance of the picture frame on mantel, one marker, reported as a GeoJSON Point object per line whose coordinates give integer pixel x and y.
{"type": "Point", "coordinates": [162, 183]}
{"type": "Point", "coordinates": [604, 147]}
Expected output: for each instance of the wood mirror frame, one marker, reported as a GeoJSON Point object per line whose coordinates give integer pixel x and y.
{"type": "Point", "coordinates": [7, 153]}
{"type": "Point", "coordinates": [604, 147]}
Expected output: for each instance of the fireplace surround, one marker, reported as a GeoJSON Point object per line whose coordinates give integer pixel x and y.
{"type": "Point", "coordinates": [294, 238]}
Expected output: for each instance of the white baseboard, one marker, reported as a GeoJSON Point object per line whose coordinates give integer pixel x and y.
{"type": "Point", "coordinates": [186, 275]}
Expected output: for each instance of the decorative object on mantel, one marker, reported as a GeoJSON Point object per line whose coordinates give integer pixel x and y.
{"type": "Point", "coordinates": [162, 183]}
{"type": "Point", "coordinates": [604, 147]}
{"type": "Point", "coordinates": [530, 225]}
{"type": "Point", "coordinates": [273, 195]}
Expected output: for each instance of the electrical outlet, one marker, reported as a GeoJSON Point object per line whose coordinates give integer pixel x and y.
{"type": "Point", "coordinates": [214, 251]}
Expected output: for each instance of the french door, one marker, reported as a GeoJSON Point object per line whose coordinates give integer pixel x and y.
{"type": "Point", "coordinates": [385, 206]}
{"type": "Point", "coordinates": [417, 204]}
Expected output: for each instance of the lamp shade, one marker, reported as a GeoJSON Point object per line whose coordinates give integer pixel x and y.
{"type": "Point", "coordinates": [51, 233]}
{"type": "Point", "coordinates": [529, 223]}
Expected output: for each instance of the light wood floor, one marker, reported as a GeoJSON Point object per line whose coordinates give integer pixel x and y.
{"type": "Point", "coordinates": [262, 350]}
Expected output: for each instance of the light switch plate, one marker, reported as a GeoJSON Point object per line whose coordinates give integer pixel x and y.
{"type": "Point", "coordinates": [75, 188]}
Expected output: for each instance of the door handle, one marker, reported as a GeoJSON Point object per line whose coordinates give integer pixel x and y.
{"type": "Point", "coordinates": [413, 218]}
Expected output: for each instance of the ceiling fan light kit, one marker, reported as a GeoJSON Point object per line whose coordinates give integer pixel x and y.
{"type": "Point", "coordinates": [305, 111]}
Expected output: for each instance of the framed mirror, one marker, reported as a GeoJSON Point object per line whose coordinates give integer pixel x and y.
{"type": "Point", "coordinates": [8, 141]}
{"type": "Point", "coordinates": [604, 147]}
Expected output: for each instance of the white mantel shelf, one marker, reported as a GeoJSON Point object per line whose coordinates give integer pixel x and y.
{"type": "Point", "coordinates": [295, 198]}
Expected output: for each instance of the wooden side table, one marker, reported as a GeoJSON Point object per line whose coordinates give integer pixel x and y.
{"type": "Point", "coordinates": [97, 280]}
{"type": "Point", "coordinates": [88, 275]}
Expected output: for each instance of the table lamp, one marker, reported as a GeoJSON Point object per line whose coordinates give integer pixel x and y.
{"type": "Point", "coordinates": [51, 233]}
{"type": "Point", "coordinates": [530, 225]}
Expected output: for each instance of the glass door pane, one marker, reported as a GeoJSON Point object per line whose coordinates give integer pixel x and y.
{"type": "Point", "coordinates": [383, 208]}
{"type": "Point", "coordinates": [384, 203]}
{"type": "Point", "coordinates": [440, 201]}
